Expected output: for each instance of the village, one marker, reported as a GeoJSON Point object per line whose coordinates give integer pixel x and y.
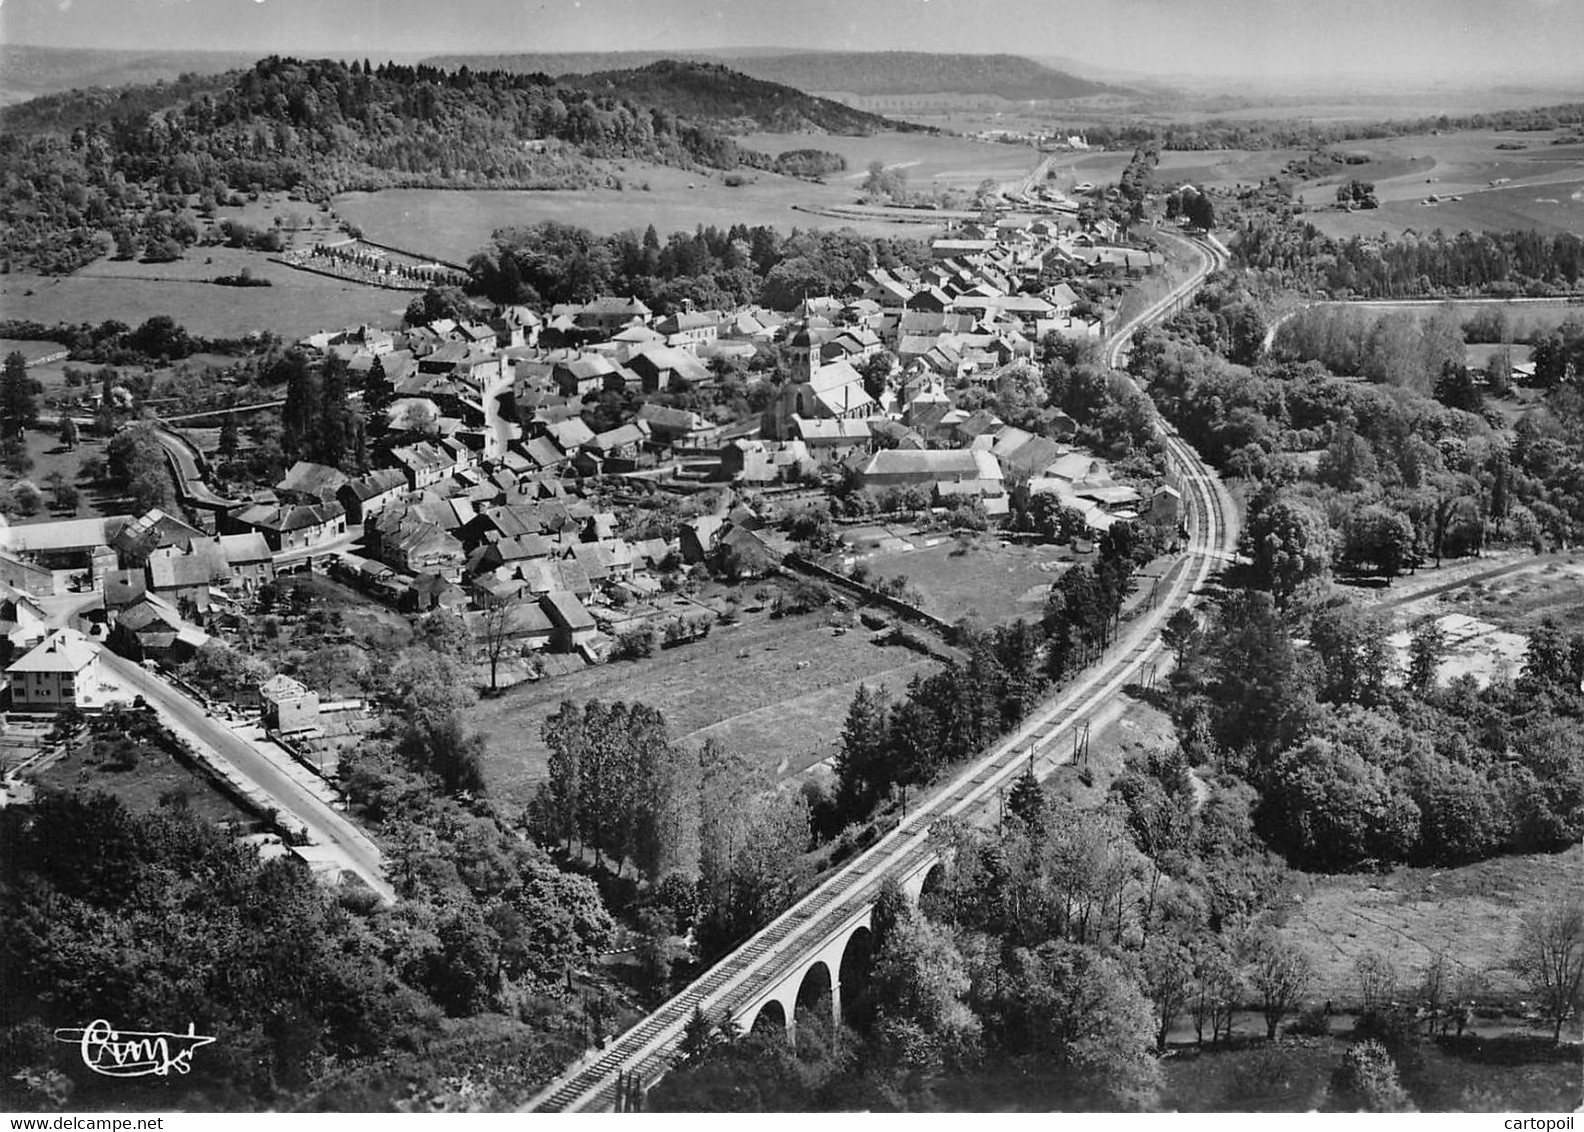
{"type": "Point", "coordinates": [493, 498]}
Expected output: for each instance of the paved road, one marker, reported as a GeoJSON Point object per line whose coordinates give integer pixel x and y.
{"type": "Point", "coordinates": [326, 827]}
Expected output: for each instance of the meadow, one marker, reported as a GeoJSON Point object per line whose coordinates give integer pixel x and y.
{"type": "Point", "coordinates": [992, 584]}
{"type": "Point", "coordinates": [1525, 317]}
{"type": "Point", "coordinates": [297, 303]}
{"type": "Point", "coordinates": [777, 690]}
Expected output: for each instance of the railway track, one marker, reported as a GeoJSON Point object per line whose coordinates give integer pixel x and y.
{"type": "Point", "coordinates": [647, 1050]}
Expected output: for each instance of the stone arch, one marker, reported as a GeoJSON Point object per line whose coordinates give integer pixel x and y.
{"type": "Point", "coordinates": [814, 992]}
{"type": "Point", "coordinates": [771, 1019]}
{"type": "Point", "coordinates": [933, 879]}
{"type": "Point", "coordinates": [853, 977]}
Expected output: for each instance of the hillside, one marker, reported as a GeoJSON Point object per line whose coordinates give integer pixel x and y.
{"type": "Point", "coordinates": [730, 100]}
{"type": "Point", "coordinates": [849, 72]}
{"type": "Point", "coordinates": [314, 128]}
{"type": "Point", "coordinates": [29, 72]}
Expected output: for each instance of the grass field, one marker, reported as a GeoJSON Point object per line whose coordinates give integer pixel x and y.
{"type": "Point", "coordinates": [953, 162]}
{"type": "Point", "coordinates": [782, 704]}
{"type": "Point", "coordinates": [297, 304]}
{"type": "Point", "coordinates": [1293, 1076]}
{"type": "Point", "coordinates": [1524, 317]}
{"type": "Point", "coordinates": [1472, 913]}
{"type": "Point", "coordinates": [1543, 185]}
{"type": "Point", "coordinates": [48, 456]}
{"type": "Point", "coordinates": [156, 775]}
{"type": "Point", "coordinates": [991, 584]}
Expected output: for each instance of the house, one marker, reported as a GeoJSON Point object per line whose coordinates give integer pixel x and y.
{"type": "Point", "coordinates": [67, 544]}
{"type": "Point", "coordinates": [307, 482]}
{"type": "Point", "coordinates": [1165, 506]}
{"type": "Point", "coordinates": [659, 368]}
{"type": "Point", "coordinates": [574, 625]}
{"type": "Point", "coordinates": [150, 531]}
{"type": "Point", "coordinates": [151, 628]}
{"type": "Point", "coordinates": [610, 313]}
{"type": "Point", "coordinates": [369, 495]}
{"type": "Point", "coordinates": [301, 527]}
{"type": "Point", "coordinates": [248, 561]}
{"type": "Point", "coordinates": [60, 672]}
{"type": "Point", "coordinates": [23, 623]}
{"type": "Point", "coordinates": [418, 546]}
{"type": "Point", "coordinates": [831, 441]}
{"type": "Point", "coordinates": [688, 329]}
{"type": "Point", "coordinates": [764, 461]}
{"type": "Point", "coordinates": [698, 537]}
{"type": "Point", "coordinates": [428, 592]}
{"type": "Point", "coordinates": [526, 624]}
{"type": "Point", "coordinates": [835, 391]}
{"type": "Point", "coordinates": [900, 467]}
{"type": "Point", "coordinates": [183, 578]}
{"type": "Point", "coordinates": [424, 464]}
{"type": "Point", "coordinates": [289, 707]}
{"type": "Point", "coordinates": [678, 427]}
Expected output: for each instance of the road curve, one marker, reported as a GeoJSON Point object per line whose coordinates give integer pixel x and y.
{"type": "Point", "coordinates": [325, 826]}
{"type": "Point", "coordinates": [648, 1049]}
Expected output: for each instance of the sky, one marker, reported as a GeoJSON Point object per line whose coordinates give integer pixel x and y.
{"type": "Point", "coordinates": [1430, 40]}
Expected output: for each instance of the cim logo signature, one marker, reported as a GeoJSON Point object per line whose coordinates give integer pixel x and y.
{"type": "Point", "coordinates": [132, 1053]}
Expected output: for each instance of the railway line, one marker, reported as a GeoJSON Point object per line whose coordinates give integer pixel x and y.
{"type": "Point", "coordinates": [647, 1050]}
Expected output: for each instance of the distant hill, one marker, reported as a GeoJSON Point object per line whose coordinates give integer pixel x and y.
{"type": "Point", "coordinates": [849, 72]}
{"type": "Point", "coordinates": [729, 100]}
{"type": "Point", "coordinates": [28, 72]}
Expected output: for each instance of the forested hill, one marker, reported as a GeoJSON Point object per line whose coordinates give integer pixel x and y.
{"type": "Point", "coordinates": [850, 72]}
{"type": "Point", "coordinates": [731, 100]}
{"type": "Point", "coordinates": [317, 127]}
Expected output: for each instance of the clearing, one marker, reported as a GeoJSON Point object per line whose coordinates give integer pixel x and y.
{"type": "Point", "coordinates": [777, 690]}
{"type": "Point", "coordinates": [1471, 913]}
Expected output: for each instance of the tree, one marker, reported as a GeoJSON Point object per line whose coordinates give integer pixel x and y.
{"type": "Point", "coordinates": [1168, 982]}
{"type": "Point", "coordinates": [1280, 973]}
{"type": "Point", "coordinates": [496, 622]}
{"type": "Point", "coordinates": [18, 407]}
{"type": "Point", "coordinates": [1550, 960]}
{"type": "Point", "coordinates": [919, 980]}
{"type": "Point", "coordinates": [69, 435]}
{"type": "Point", "coordinates": [1426, 651]}
{"type": "Point", "coordinates": [861, 771]}
{"type": "Point", "coordinates": [1329, 808]}
{"type": "Point", "coordinates": [1378, 535]}
{"type": "Point", "coordinates": [1290, 543]}
{"type": "Point", "coordinates": [1180, 633]}
{"type": "Point", "coordinates": [1366, 1081]}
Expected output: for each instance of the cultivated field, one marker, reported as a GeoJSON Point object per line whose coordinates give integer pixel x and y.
{"type": "Point", "coordinates": [297, 303]}
{"type": "Point", "coordinates": [1472, 913]}
{"type": "Point", "coordinates": [952, 162]}
{"type": "Point", "coordinates": [1542, 185]}
{"type": "Point", "coordinates": [776, 690]}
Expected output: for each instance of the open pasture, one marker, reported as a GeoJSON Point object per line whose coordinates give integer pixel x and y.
{"type": "Point", "coordinates": [296, 304]}
{"type": "Point", "coordinates": [990, 584]}
{"type": "Point", "coordinates": [953, 162]}
{"type": "Point", "coordinates": [455, 223]}
{"type": "Point", "coordinates": [1525, 317]}
{"type": "Point", "coordinates": [1539, 186]}
{"type": "Point", "coordinates": [776, 690]}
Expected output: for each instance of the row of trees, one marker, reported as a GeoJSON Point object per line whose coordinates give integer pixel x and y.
{"type": "Point", "coordinates": [713, 268]}
{"type": "Point", "coordinates": [718, 845]}
{"type": "Point", "coordinates": [957, 712]}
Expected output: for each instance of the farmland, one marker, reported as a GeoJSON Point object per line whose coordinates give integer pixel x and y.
{"type": "Point", "coordinates": [1542, 185]}
{"type": "Point", "coordinates": [297, 303]}
{"type": "Point", "coordinates": [453, 224]}
{"type": "Point", "coordinates": [777, 690]}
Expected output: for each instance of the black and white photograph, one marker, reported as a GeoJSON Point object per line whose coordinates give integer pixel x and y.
{"type": "Point", "coordinates": [868, 557]}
